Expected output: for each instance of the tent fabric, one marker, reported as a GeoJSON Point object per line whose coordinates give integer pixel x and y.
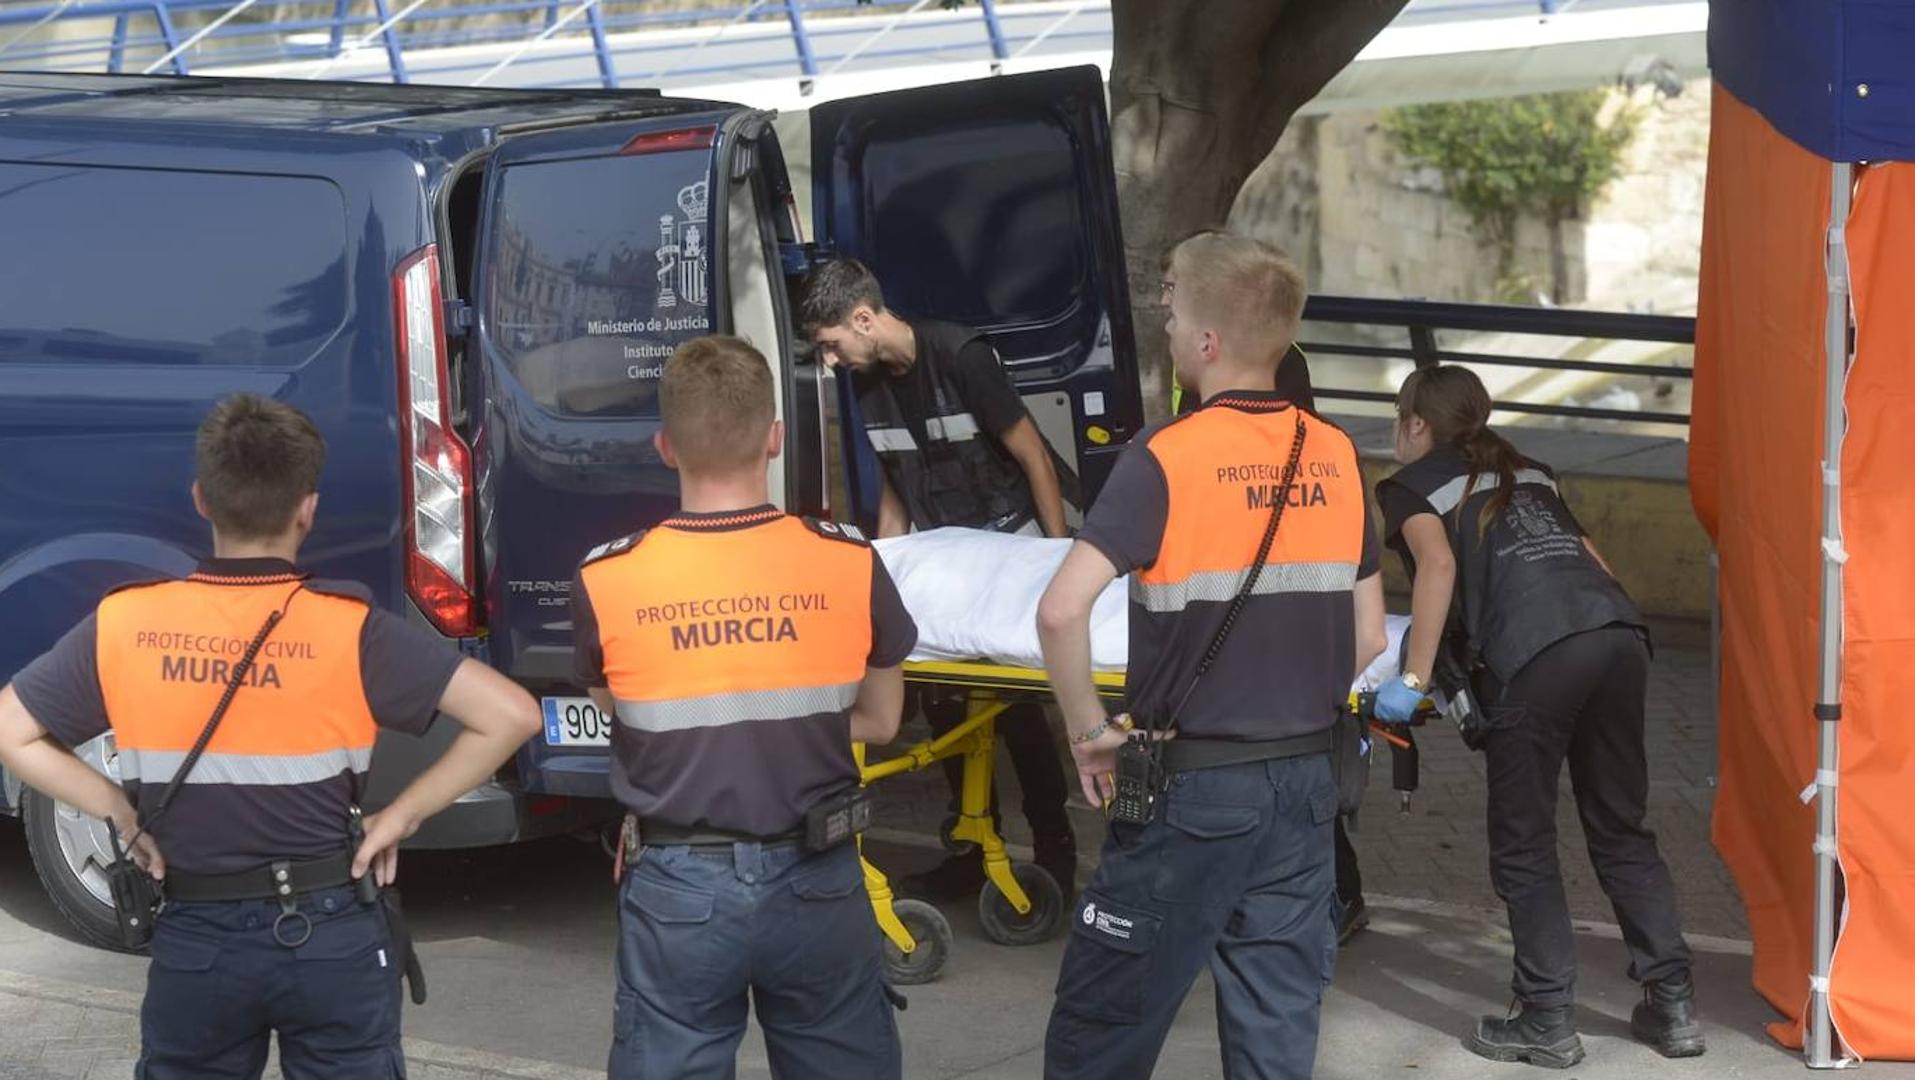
{"type": "Point", "coordinates": [1755, 445]}
{"type": "Point", "coordinates": [1755, 453]}
{"type": "Point", "coordinates": [1804, 63]}
{"type": "Point", "coordinates": [1875, 955]}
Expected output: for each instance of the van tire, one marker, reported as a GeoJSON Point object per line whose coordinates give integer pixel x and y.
{"type": "Point", "coordinates": [60, 876]}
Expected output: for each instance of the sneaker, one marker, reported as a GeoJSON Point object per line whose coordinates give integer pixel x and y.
{"type": "Point", "coordinates": [1666, 1018]}
{"type": "Point", "coordinates": [1057, 854]}
{"type": "Point", "coordinates": [1537, 1036]}
{"type": "Point", "coordinates": [957, 877]}
{"type": "Point", "coordinates": [1354, 916]}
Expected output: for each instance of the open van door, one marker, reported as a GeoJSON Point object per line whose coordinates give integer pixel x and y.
{"type": "Point", "coordinates": [601, 249]}
{"type": "Point", "coordinates": [993, 204]}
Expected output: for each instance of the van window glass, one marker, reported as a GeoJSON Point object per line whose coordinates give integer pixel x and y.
{"type": "Point", "coordinates": [597, 268]}
{"type": "Point", "coordinates": [979, 225]}
{"type": "Point", "coordinates": [143, 266]}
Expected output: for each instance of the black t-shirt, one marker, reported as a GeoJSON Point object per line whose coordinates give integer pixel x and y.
{"type": "Point", "coordinates": [983, 386]}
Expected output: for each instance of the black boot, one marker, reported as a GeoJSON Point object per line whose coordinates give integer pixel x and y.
{"type": "Point", "coordinates": [957, 877]}
{"type": "Point", "coordinates": [1057, 854]}
{"type": "Point", "coordinates": [1666, 1019]}
{"type": "Point", "coordinates": [1539, 1036]}
{"type": "Point", "coordinates": [1353, 916]}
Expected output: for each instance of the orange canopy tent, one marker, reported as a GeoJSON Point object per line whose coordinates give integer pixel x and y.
{"type": "Point", "coordinates": [1802, 468]}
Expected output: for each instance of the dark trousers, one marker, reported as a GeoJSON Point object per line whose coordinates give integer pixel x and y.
{"type": "Point", "coordinates": [705, 934]}
{"type": "Point", "coordinates": [1579, 700]}
{"type": "Point", "coordinates": [220, 986]}
{"type": "Point", "coordinates": [1235, 873]}
{"type": "Point", "coordinates": [1026, 735]}
{"type": "Point", "coordinates": [1349, 874]}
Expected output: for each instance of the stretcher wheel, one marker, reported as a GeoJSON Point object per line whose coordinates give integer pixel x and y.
{"type": "Point", "coordinates": [1005, 926]}
{"type": "Point", "coordinates": [932, 931]}
{"type": "Point", "coordinates": [954, 846]}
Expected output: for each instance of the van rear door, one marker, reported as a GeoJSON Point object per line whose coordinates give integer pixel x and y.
{"type": "Point", "coordinates": [993, 204]}
{"type": "Point", "coordinates": [596, 259]}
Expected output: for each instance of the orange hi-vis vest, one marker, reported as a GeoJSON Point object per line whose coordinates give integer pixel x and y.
{"type": "Point", "coordinates": [734, 650]}
{"type": "Point", "coordinates": [290, 754]}
{"type": "Point", "coordinates": [1288, 663]}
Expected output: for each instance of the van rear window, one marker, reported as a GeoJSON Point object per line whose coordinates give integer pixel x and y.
{"type": "Point", "coordinates": [142, 266]}
{"type": "Point", "coordinates": [597, 269]}
{"type": "Point", "coordinates": [982, 225]}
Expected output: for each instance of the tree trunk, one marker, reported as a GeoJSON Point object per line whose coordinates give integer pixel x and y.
{"type": "Point", "coordinates": [1200, 92]}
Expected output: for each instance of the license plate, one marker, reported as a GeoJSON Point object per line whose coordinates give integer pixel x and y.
{"type": "Point", "coordinates": [576, 721]}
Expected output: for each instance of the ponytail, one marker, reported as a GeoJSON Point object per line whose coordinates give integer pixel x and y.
{"type": "Point", "coordinates": [1487, 452]}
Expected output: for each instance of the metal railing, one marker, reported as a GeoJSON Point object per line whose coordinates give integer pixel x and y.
{"type": "Point", "coordinates": [1420, 322]}
{"type": "Point", "coordinates": [183, 36]}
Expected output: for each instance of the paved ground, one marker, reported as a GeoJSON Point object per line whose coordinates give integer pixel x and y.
{"type": "Point", "coordinates": [518, 944]}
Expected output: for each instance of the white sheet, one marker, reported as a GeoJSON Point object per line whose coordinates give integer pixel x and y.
{"type": "Point", "coordinates": [974, 595]}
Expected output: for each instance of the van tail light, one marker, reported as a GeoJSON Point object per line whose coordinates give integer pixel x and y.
{"type": "Point", "coordinates": [665, 142]}
{"type": "Point", "coordinates": [437, 475]}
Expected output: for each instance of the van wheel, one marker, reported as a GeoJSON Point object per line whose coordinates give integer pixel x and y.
{"type": "Point", "coordinates": [71, 852]}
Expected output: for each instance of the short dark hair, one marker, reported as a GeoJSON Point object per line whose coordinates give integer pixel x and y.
{"type": "Point", "coordinates": [835, 290]}
{"type": "Point", "coordinates": [255, 459]}
{"type": "Point", "coordinates": [716, 401]}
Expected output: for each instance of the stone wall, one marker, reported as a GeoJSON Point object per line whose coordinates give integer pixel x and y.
{"type": "Point", "coordinates": [1364, 221]}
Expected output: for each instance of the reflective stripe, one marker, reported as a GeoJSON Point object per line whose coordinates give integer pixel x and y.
{"type": "Point", "coordinates": [891, 440]}
{"type": "Point", "coordinates": [1221, 585]}
{"type": "Point", "coordinates": [1445, 498]}
{"type": "Point", "coordinates": [717, 710]}
{"type": "Point", "coordinates": [956, 427]}
{"type": "Point", "coordinates": [159, 766]}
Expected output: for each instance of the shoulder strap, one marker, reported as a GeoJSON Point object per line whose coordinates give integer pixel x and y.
{"type": "Point", "coordinates": [233, 683]}
{"type": "Point", "coordinates": [1255, 572]}
{"type": "Point", "coordinates": [613, 547]}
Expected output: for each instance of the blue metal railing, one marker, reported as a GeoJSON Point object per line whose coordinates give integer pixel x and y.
{"type": "Point", "coordinates": [184, 36]}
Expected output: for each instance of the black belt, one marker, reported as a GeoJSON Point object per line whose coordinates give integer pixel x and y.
{"type": "Point", "coordinates": [659, 834]}
{"type": "Point", "coordinates": [1183, 755]}
{"type": "Point", "coordinates": [273, 882]}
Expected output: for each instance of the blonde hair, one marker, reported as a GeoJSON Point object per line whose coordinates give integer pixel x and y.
{"type": "Point", "coordinates": [1246, 290]}
{"type": "Point", "coordinates": [716, 399]}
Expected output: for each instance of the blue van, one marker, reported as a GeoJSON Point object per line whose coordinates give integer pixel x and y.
{"type": "Point", "coordinates": [473, 293]}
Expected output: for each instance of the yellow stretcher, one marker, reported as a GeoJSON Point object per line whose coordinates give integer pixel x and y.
{"type": "Point", "coordinates": [1018, 905]}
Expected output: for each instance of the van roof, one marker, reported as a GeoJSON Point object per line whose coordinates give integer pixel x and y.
{"type": "Point", "coordinates": [316, 106]}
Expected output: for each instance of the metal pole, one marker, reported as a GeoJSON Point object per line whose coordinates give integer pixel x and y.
{"type": "Point", "coordinates": [807, 62]}
{"type": "Point", "coordinates": [116, 59]}
{"type": "Point", "coordinates": [1821, 1051]}
{"type": "Point", "coordinates": [338, 36]}
{"type": "Point", "coordinates": [995, 30]}
{"type": "Point", "coordinates": [607, 70]}
{"type": "Point", "coordinates": [174, 56]}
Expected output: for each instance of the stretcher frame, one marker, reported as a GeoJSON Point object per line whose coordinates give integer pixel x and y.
{"type": "Point", "coordinates": [990, 689]}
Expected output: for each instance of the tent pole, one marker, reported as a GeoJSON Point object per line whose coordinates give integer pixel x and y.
{"type": "Point", "coordinates": [1820, 1046]}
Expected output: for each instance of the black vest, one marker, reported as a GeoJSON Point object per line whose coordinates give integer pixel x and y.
{"type": "Point", "coordinates": [1527, 581]}
{"type": "Point", "coordinates": [947, 469]}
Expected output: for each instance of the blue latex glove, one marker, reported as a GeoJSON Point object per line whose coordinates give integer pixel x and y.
{"type": "Point", "coordinates": [1396, 702]}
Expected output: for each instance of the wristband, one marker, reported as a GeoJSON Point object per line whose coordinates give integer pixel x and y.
{"type": "Point", "coordinates": [1121, 722]}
